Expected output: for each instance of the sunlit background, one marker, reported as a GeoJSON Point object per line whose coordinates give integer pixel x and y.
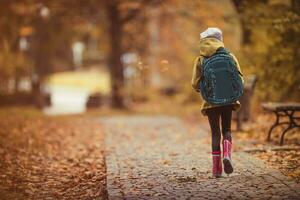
{"type": "Point", "coordinates": [66, 56]}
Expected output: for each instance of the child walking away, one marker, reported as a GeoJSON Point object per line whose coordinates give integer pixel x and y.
{"type": "Point", "coordinates": [217, 76]}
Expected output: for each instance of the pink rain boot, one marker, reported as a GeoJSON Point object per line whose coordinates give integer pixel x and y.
{"type": "Point", "coordinates": [217, 164]}
{"type": "Point", "coordinates": [227, 156]}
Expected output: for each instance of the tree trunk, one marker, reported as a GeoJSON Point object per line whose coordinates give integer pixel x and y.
{"type": "Point", "coordinates": [154, 33]}
{"type": "Point", "coordinates": [246, 32]}
{"type": "Point", "coordinates": [42, 56]}
{"type": "Point", "coordinates": [115, 63]}
{"type": "Point", "coordinates": [240, 7]}
{"type": "Point", "coordinates": [17, 81]}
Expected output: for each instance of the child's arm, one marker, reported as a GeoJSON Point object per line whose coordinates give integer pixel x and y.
{"type": "Point", "coordinates": [237, 66]}
{"type": "Point", "coordinates": [196, 74]}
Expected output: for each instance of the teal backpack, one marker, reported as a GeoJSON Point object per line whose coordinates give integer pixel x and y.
{"type": "Point", "coordinates": [220, 83]}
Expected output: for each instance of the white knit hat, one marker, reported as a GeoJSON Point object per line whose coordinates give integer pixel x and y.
{"type": "Point", "coordinates": [212, 32]}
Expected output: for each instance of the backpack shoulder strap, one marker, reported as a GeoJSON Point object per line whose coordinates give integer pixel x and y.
{"type": "Point", "coordinates": [222, 50]}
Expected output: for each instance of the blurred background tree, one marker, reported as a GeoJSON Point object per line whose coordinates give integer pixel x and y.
{"type": "Point", "coordinates": [37, 36]}
{"type": "Point", "coordinates": [270, 45]}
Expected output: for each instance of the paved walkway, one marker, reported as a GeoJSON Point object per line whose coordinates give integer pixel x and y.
{"type": "Point", "coordinates": [159, 158]}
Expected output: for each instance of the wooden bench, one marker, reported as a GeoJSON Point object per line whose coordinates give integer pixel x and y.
{"type": "Point", "coordinates": [283, 110]}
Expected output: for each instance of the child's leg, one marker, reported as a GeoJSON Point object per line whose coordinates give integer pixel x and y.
{"type": "Point", "coordinates": [226, 122]}
{"type": "Point", "coordinates": [214, 122]}
{"type": "Point", "coordinates": [227, 140]}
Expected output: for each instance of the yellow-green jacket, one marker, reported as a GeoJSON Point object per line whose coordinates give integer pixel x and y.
{"type": "Point", "coordinates": [208, 46]}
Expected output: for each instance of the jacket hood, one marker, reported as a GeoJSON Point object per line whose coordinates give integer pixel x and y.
{"type": "Point", "coordinates": [208, 46]}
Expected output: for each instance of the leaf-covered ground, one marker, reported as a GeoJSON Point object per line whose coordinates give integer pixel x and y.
{"type": "Point", "coordinates": [286, 161]}
{"type": "Point", "coordinates": [285, 158]}
{"type": "Point", "coordinates": [50, 157]}
{"type": "Point", "coordinates": [63, 157]}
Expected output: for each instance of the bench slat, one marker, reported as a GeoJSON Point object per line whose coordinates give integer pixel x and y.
{"type": "Point", "coordinates": [281, 106]}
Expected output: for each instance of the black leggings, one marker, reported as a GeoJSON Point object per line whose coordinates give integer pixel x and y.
{"type": "Point", "coordinates": [214, 115]}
